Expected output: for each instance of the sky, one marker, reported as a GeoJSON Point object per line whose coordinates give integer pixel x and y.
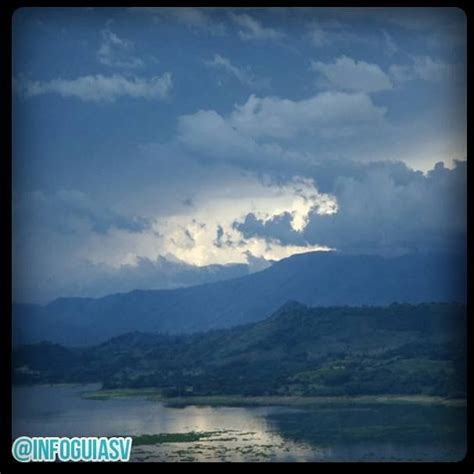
{"type": "Point", "coordinates": [152, 142]}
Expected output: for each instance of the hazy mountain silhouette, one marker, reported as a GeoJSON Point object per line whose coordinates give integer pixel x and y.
{"type": "Point", "coordinates": [314, 279]}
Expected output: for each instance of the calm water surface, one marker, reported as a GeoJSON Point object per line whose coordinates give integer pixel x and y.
{"type": "Point", "coordinates": [337, 433]}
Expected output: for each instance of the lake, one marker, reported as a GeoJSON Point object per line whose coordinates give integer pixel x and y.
{"type": "Point", "coordinates": [370, 432]}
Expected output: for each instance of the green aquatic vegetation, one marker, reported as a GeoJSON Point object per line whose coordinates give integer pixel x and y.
{"type": "Point", "coordinates": [292, 401]}
{"type": "Point", "coordinates": [149, 393]}
{"type": "Point", "coordinates": [160, 438]}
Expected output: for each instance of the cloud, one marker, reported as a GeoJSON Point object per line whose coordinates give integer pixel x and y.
{"type": "Point", "coordinates": [117, 52]}
{"type": "Point", "coordinates": [218, 242]}
{"type": "Point", "coordinates": [437, 25]}
{"type": "Point", "coordinates": [256, 264]}
{"type": "Point", "coordinates": [243, 75]}
{"type": "Point", "coordinates": [317, 35]}
{"type": "Point", "coordinates": [423, 27]}
{"type": "Point", "coordinates": [330, 32]}
{"type": "Point", "coordinates": [256, 134]}
{"type": "Point", "coordinates": [96, 280]}
{"type": "Point", "coordinates": [98, 88]}
{"type": "Point", "coordinates": [382, 208]}
{"type": "Point", "coordinates": [211, 134]}
{"type": "Point", "coordinates": [269, 133]}
{"type": "Point", "coordinates": [214, 222]}
{"type": "Point", "coordinates": [278, 228]}
{"type": "Point", "coordinates": [327, 112]}
{"type": "Point", "coordinates": [196, 19]}
{"type": "Point", "coordinates": [334, 33]}
{"type": "Point", "coordinates": [252, 29]}
{"type": "Point", "coordinates": [101, 219]}
{"type": "Point", "coordinates": [68, 243]}
{"type": "Point", "coordinates": [390, 45]}
{"type": "Point", "coordinates": [65, 243]}
{"type": "Point", "coordinates": [348, 74]}
{"type": "Point", "coordinates": [426, 69]}
{"type": "Point", "coordinates": [202, 194]}
{"type": "Point", "coordinates": [67, 211]}
{"type": "Point", "coordinates": [378, 215]}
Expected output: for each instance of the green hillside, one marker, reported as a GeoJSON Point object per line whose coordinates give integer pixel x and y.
{"type": "Point", "coordinates": [398, 349]}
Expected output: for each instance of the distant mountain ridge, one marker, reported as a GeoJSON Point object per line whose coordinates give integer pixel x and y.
{"type": "Point", "coordinates": [314, 279]}
{"type": "Point", "coordinates": [162, 273]}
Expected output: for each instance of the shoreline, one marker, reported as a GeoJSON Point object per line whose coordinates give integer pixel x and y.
{"type": "Point", "coordinates": [152, 394]}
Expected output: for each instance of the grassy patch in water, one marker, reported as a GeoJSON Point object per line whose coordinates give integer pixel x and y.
{"type": "Point", "coordinates": [160, 438]}
{"type": "Point", "coordinates": [304, 402]}
{"type": "Point", "coordinates": [154, 394]}
{"type": "Point", "coordinates": [122, 393]}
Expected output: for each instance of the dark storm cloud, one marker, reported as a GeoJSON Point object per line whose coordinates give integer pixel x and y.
{"type": "Point", "coordinates": [384, 208]}
{"type": "Point", "coordinates": [219, 234]}
{"type": "Point", "coordinates": [278, 227]}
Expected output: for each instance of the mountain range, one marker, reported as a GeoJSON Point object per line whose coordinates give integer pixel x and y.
{"type": "Point", "coordinates": [314, 279]}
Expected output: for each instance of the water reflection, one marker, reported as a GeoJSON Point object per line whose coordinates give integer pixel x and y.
{"type": "Point", "coordinates": [342, 433]}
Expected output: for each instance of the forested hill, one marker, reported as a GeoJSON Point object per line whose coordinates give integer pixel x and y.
{"type": "Point", "coordinates": [401, 349]}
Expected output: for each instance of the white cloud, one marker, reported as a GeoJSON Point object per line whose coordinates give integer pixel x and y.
{"type": "Point", "coordinates": [321, 34]}
{"type": "Point", "coordinates": [391, 47]}
{"type": "Point", "coordinates": [197, 19]}
{"type": "Point", "coordinates": [402, 72]}
{"type": "Point", "coordinates": [243, 75]}
{"type": "Point", "coordinates": [330, 32]}
{"type": "Point", "coordinates": [318, 36]}
{"type": "Point", "coordinates": [117, 52]}
{"type": "Point", "coordinates": [426, 69]}
{"type": "Point", "coordinates": [251, 133]}
{"type": "Point", "coordinates": [98, 88]}
{"type": "Point", "coordinates": [253, 29]}
{"type": "Point", "coordinates": [327, 112]}
{"type": "Point", "coordinates": [348, 74]}
{"type": "Point", "coordinates": [208, 132]}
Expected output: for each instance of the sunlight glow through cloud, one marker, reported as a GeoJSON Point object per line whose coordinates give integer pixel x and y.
{"type": "Point", "coordinates": [208, 232]}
